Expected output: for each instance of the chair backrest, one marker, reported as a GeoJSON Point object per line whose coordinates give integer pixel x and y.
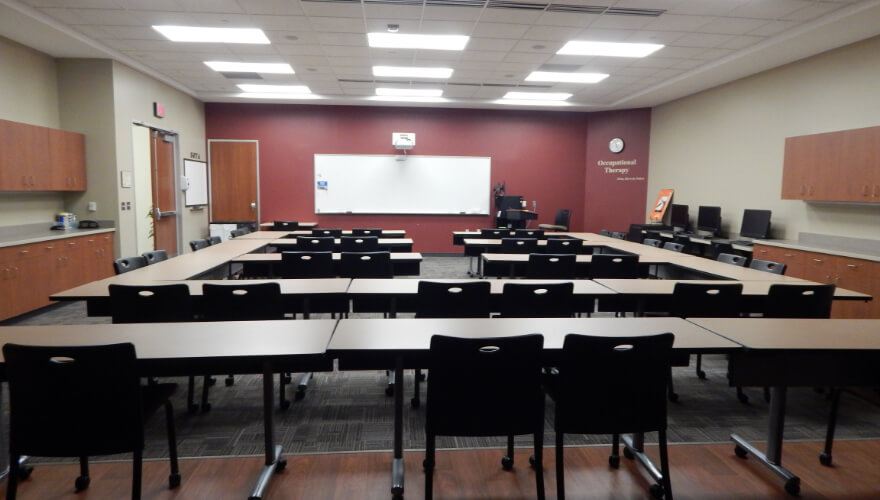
{"type": "Point", "coordinates": [214, 240]}
{"type": "Point", "coordinates": [494, 233]}
{"type": "Point", "coordinates": [606, 265]}
{"type": "Point", "coordinates": [519, 245]}
{"type": "Point", "coordinates": [730, 258]}
{"type": "Point", "coordinates": [564, 245]}
{"type": "Point", "coordinates": [241, 301]}
{"type": "Point", "coordinates": [155, 256]}
{"type": "Point", "coordinates": [73, 401]}
{"type": "Point", "coordinates": [359, 243]}
{"type": "Point", "coordinates": [366, 231]}
{"type": "Point", "coordinates": [235, 233]}
{"type": "Point", "coordinates": [563, 216]}
{"type": "Point", "coordinates": [594, 395]}
{"type": "Point", "coordinates": [467, 299]}
{"type": "Point", "coordinates": [315, 243]}
{"type": "Point", "coordinates": [528, 233]}
{"type": "Point", "coordinates": [537, 300]}
{"type": "Point", "coordinates": [799, 301]}
{"type": "Point", "coordinates": [307, 264]}
{"type": "Point", "coordinates": [706, 300]}
{"type": "Point", "coordinates": [366, 265]}
{"type": "Point", "coordinates": [335, 232]}
{"type": "Point", "coordinates": [150, 303]}
{"type": "Point", "coordinates": [198, 244]}
{"type": "Point", "coordinates": [605, 232]}
{"type": "Point", "coordinates": [767, 265]}
{"type": "Point", "coordinates": [675, 247]}
{"type": "Point", "coordinates": [485, 387]}
{"type": "Point", "coordinates": [285, 225]}
{"type": "Point", "coordinates": [126, 264]}
{"type": "Point", "coordinates": [651, 242]}
{"type": "Point", "coordinates": [618, 235]}
{"type": "Point", "coordinates": [551, 266]}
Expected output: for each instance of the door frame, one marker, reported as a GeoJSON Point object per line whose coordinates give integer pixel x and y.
{"type": "Point", "coordinates": [178, 169]}
{"type": "Point", "coordinates": [210, 187]}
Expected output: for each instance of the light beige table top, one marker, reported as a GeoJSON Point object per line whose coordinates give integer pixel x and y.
{"type": "Point", "coordinates": [665, 287]}
{"type": "Point", "coordinates": [276, 257]}
{"type": "Point", "coordinates": [773, 333]}
{"type": "Point", "coordinates": [97, 289]}
{"type": "Point", "coordinates": [508, 258]}
{"type": "Point", "coordinates": [401, 286]}
{"type": "Point", "coordinates": [415, 334]}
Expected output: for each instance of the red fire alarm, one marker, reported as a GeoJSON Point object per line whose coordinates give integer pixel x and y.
{"type": "Point", "coordinates": [158, 110]}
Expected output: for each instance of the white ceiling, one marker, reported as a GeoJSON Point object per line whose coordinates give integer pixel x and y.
{"type": "Point", "coordinates": [708, 42]}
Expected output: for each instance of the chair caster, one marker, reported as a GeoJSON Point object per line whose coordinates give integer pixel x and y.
{"type": "Point", "coordinates": [507, 463]}
{"type": "Point", "coordinates": [740, 451]}
{"type": "Point", "coordinates": [173, 481]}
{"type": "Point", "coordinates": [532, 461]}
{"type": "Point", "coordinates": [389, 391]}
{"type": "Point", "coordinates": [230, 381]}
{"type": "Point", "coordinates": [212, 381]}
{"type": "Point", "coordinates": [299, 395]}
{"type": "Point", "coordinates": [427, 465]}
{"type": "Point", "coordinates": [793, 486]}
{"type": "Point", "coordinates": [280, 464]}
{"type": "Point", "coordinates": [415, 402]}
{"type": "Point", "coordinates": [825, 459]}
{"type": "Point", "coordinates": [628, 453]}
{"type": "Point", "coordinates": [614, 461]}
{"type": "Point", "coordinates": [284, 404]}
{"type": "Point", "coordinates": [701, 374]}
{"type": "Point", "coordinates": [656, 491]}
{"type": "Point", "coordinates": [82, 482]}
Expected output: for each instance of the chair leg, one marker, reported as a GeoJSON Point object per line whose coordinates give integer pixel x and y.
{"type": "Point", "coordinates": [191, 405]}
{"type": "Point", "coordinates": [538, 463]}
{"type": "Point", "coordinates": [825, 457]}
{"type": "Point", "coordinates": [664, 465]}
{"type": "Point", "coordinates": [416, 400]}
{"type": "Point", "coordinates": [12, 478]}
{"type": "Point", "coordinates": [283, 402]}
{"type": "Point", "coordinates": [740, 395]}
{"type": "Point", "coordinates": [507, 460]}
{"type": "Point", "coordinates": [174, 477]}
{"type": "Point", "coordinates": [136, 472]}
{"type": "Point", "coordinates": [700, 372]}
{"type": "Point", "coordinates": [429, 467]}
{"type": "Point", "coordinates": [206, 384]}
{"type": "Point", "coordinates": [614, 458]}
{"type": "Point", "coordinates": [560, 470]}
{"type": "Point", "coordinates": [82, 482]}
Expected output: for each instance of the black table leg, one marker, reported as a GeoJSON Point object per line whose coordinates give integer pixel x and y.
{"type": "Point", "coordinates": [397, 460]}
{"type": "Point", "coordinates": [274, 461]}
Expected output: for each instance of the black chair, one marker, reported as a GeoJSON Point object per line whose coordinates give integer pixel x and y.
{"type": "Point", "coordinates": [606, 265]}
{"type": "Point", "coordinates": [359, 244]}
{"type": "Point", "coordinates": [551, 266]}
{"type": "Point", "coordinates": [729, 258]}
{"type": "Point", "coordinates": [467, 299]}
{"type": "Point", "coordinates": [798, 301]}
{"type": "Point", "coordinates": [214, 240]}
{"type": "Point", "coordinates": [315, 243]}
{"type": "Point", "coordinates": [126, 264]}
{"type": "Point", "coordinates": [651, 242]}
{"type": "Point", "coordinates": [307, 265]}
{"type": "Point", "coordinates": [625, 378]}
{"type": "Point", "coordinates": [235, 233]}
{"type": "Point", "coordinates": [285, 225]}
{"type": "Point", "coordinates": [494, 233]}
{"type": "Point", "coordinates": [485, 387]}
{"type": "Point", "coordinates": [198, 244]}
{"type": "Point", "coordinates": [537, 300]}
{"type": "Point", "coordinates": [560, 222]}
{"type": "Point", "coordinates": [366, 231]}
{"type": "Point", "coordinates": [528, 233]}
{"type": "Point", "coordinates": [366, 265]}
{"type": "Point", "coordinates": [605, 232]}
{"type": "Point", "coordinates": [519, 245]}
{"type": "Point", "coordinates": [767, 265]}
{"type": "Point", "coordinates": [675, 247]}
{"type": "Point", "coordinates": [155, 256]}
{"type": "Point", "coordinates": [81, 401]}
{"type": "Point", "coordinates": [618, 235]}
{"type": "Point", "coordinates": [564, 245]}
{"type": "Point", "coordinates": [335, 233]}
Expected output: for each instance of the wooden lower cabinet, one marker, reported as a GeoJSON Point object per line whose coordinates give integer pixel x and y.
{"type": "Point", "coordinates": [853, 274]}
{"type": "Point", "coordinates": [30, 273]}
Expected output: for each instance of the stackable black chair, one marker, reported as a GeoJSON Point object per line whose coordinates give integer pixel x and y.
{"type": "Point", "coordinates": [625, 378]}
{"type": "Point", "coordinates": [537, 300]}
{"type": "Point", "coordinates": [315, 243]}
{"type": "Point", "coordinates": [366, 265]}
{"type": "Point", "coordinates": [651, 242]}
{"type": "Point", "coordinates": [564, 245]}
{"type": "Point", "coordinates": [560, 222]}
{"type": "Point", "coordinates": [155, 256]}
{"type": "Point", "coordinates": [485, 387]}
{"type": "Point", "coordinates": [528, 233]}
{"type": "Point", "coordinates": [494, 233]}
{"type": "Point", "coordinates": [199, 244]}
{"type": "Point", "coordinates": [307, 264]}
{"type": "Point", "coordinates": [605, 232]}
{"type": "Point", "coordinates": [126, 264]}
{"type": "Point", "coordinates": [359, 243]}
{"type": "Point", "coordinates": [214, 240]}
{"type": "Point", "coordinates": [675, 247]}
{"type": "Point", "coordinates": [285, 225]}
{"type": "Point", "coordinates": [606, 265]}
{"type": "Point", "coordinates": [519, 245]}
{"type": "Point", "coordinates": [81, 401]}
{"type": "Point", "coordinates": [366, 231]}
{"type": "Point", "coordinates": [335, 233]}
{"type": "Point", "coordinates": [551, 266]}
{"type": "Point", "coordinates": [767, 265]}
{"type": "Point", "coordinates": [467, 299]}
{"type": "Point", "coordinates": [729, 258]}
{"type": "Point", "coordinates": [618, 235]}
{"type": "Point", "coordinates": [235, 233]}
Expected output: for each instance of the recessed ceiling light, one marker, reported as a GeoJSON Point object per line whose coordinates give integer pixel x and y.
{"type": "Point", "coordinates": [277, 89]}
{"type": "Point", "coordinates": [281, 68]}
{"type": "Point", "coordinates": [385, 91]}
{"type": "Point", "coordinates": [612, 49]}
{"type": "Point", "coordinates": [547, 96]}
{"type": "Point", "coordinates": [530, 102]}
{"type": "Point", "coordinates": [274, 95]}
{"type": "Point", "coordinates": [410, 41]}
{"type": "Point", "coordinates": [553, 76]}
{"type": "Point", "coordinates": [409, 72]}
{"type": "Point", "coordinates": [401, 98]}
{"type": "Point", "coordinates": [214, 35]}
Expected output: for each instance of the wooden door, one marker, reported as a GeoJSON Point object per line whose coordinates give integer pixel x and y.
{"type": "Point", "coordinates": [164, 199]}
{"type": "Point", "coordinates": [233, 176]}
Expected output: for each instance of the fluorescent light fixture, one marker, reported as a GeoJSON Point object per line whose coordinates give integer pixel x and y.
{"type": "Point", "coordinates": [275, 95]}
{"type": "Point", "coordinates": [409, 41]}
{"type": "Point", "coordinates": [281, 68]}
{"type": "Point", "coordinates": [384, 91]}
{"type": "Point", "coordinates": [402, 98]}
{"type": "Point", "coordinates": [530, 102]}
{"type": "Point", "coordinates": [552, 76]}
{"type": "Point", "coordinates": [409, 72]}
{"type": "Point", "coordinates": [276, 89]}
{"type": "Point", "coordinates": [212, 35]}
{"type": "Point", "coordinates": [547, 96]}
{"type": "Point", "coordinates": [612, 49]}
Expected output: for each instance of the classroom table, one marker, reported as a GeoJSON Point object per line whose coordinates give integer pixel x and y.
{"type": "Point", "coordinates": [365, 344]}
{"type": "Point", "coordinates": [512, 265]}
{"type": "Point", "coordinates": [386, 233]}
{"type": "Point", "coordinates": [783, 353]}
{"type": "Point", "coordinates": [264, 264]}
{"type": "Point", "coordinates": [268, 225]}
{"type": "Point", "coordinates": [388, 244]}
{"type": "Point", "coordinates": [179, 349]}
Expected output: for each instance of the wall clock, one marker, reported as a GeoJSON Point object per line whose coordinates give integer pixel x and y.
{"type": "Point", "coordinates": [616, 145]}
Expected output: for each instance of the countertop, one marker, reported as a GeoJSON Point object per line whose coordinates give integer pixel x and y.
{"type": "Point", "coordinates": [35, 233]}
{"type": "Point", "coordinates": [844, 247]}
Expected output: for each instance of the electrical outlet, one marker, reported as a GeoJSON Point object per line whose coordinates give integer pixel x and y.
{"type": "Point", "coordinates": [92, 206]}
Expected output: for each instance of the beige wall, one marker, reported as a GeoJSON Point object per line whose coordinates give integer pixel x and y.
{"type": "Point", "coordinates": [725, 146]}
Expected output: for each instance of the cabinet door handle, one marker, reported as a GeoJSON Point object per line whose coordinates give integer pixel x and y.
{"type": "Point", "coordinates": [818, 260]}
{"type": "Point", "coordinates": [50, 247]}
{"type": "Point", "coordinates": [810, 191]}
{"type": "Point", "coordinates": [852, 266]}
{"type": "Point", "coordinates": [72, 243]}
{"type": "Point", "coordinates": [23, 251]}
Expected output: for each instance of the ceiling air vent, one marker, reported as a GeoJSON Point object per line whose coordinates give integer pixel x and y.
{"type": "Point", "coordinates": [503, 4]}
{"type": "Point", "coordinates": [635, 12]}
{"type": "Point", "coordinates": [243, 75]}
{"type": "Point", "coordinates": [577, 9]}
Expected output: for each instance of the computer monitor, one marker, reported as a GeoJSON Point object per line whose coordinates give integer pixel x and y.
{"type": "Point", "coordinates": [508, 202]}
{"type": "Point", "coordinates": [709, 219]}
{"type": "Point", "coordinates": [755, 224]}
{"type": "Point", "coordinates": [679, 216]}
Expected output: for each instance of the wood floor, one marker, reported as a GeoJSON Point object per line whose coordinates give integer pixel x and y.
{"type": "Point", "coordinates": [698, 472]}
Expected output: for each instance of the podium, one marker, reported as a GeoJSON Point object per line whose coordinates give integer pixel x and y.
{"type": "Point", "coordinates": [516, 219]}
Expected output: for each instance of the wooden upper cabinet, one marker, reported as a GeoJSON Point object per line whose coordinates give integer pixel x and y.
{"type": "Point", "coordinates": [833, 166]}
{"type": "Point", "coordinates": [34, 158]}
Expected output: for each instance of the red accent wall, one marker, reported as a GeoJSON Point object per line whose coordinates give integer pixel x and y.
{"type": "Point", "coordinates": [539, 155]}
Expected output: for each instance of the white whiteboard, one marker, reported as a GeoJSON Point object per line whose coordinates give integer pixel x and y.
{"type": "Point", "coordinates": [382, 184]}
{"type": "Point", "coordinates": [196, 174]}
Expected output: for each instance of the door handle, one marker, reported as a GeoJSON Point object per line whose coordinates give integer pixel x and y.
{"type": "Point", "coordinates": [253, 206]}
{"type": "Point", "coordinates": [167, 213]}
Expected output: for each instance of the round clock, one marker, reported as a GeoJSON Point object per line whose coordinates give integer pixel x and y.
{"type": "Point", "coordinates": [616, 145]}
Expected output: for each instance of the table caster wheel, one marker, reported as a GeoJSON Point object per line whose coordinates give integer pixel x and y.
{"type": "Point", "coordinates": [825, 459]}
{"type": "Point", "coordinates": [82, 482]}
{"type": "Point", "coordinates": [299, 395]}
{"type": "Point", "coordinates": [793, 486]}
{"type": "Point", "coordinates": [230, 381]}
{"type": "Point", "coordinates": [389, 391]}
{"type": "Point", "coordinates": [740, 451]}
{"type": "Point", "coordinates": [614, 461]}
{"type": "Point", "coordinates": [280, 464]}
{"type": "Point", "coordinates": [628, 453]}
{"type": "Point", "coordinates": [701, 374]}
{"type": "Point", "coordinates": [656, 491]}
{"type": "Point", "coordinates": [24, 472]}
{"type": "Point", "coordinates": [507, 463]}
{"type": "Point", "coordinates": [174, 480]}
{"type": "Point", "coordinates": [212, 381]}
{"type": "Point", "coordinates": [284, 404]}
{"type": "Point", "coordinates": [415, 403]}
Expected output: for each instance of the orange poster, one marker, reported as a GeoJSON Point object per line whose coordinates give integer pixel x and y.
{"type": "Point", "coordinates": [663, 201]}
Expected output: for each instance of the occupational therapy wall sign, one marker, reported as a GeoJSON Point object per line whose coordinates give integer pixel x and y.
{"type": "Point", "coordinates": [621, 170]}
